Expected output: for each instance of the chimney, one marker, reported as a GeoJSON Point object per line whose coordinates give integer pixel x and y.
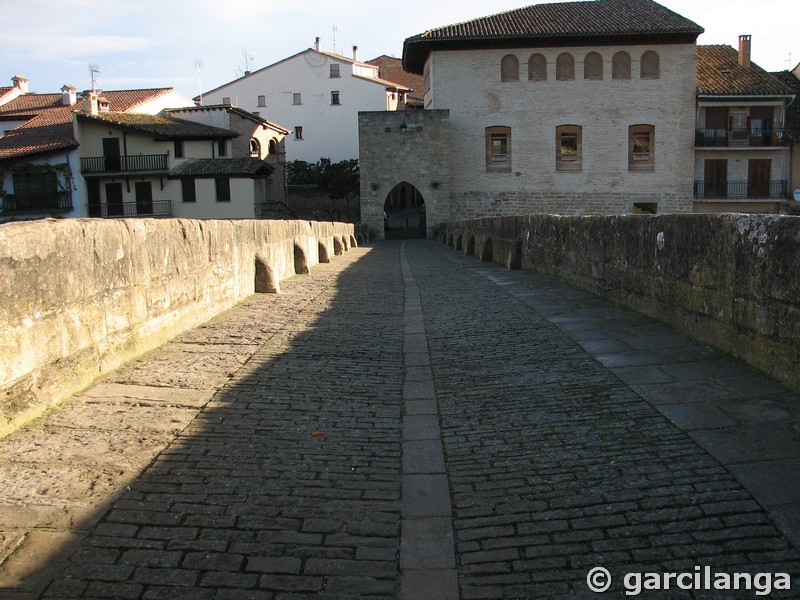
{"type": "Point", "coordinates": [21, 83]}
{"type": "Point", "coordinates": [94, 103]}
{"type": "Point", "coordinates": [744, 50]}
{"type": "Point", "coordinates": [69, 95]}
{"type": "Point", "coordinates": [355, 53]}
{"type": "Point", "coordinates": [316, 44]}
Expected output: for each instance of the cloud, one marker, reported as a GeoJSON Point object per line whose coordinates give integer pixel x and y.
{"type": "Point", "coordinates": [68, 47]}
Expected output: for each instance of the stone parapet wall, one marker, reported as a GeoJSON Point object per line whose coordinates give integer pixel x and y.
{"type": "Point", "coordinates": [80, 297]}
{"type": "Point", "coordinates": [731, 281]}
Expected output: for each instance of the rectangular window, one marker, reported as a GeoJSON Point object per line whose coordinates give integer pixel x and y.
{"type": "Point", "coordinates": [335, 71]}
{"type": "Point", "coordinates": [569, 148]}
{"type": "Point", "coordinates": [221, 150]}
{"type": "Point", "coordinates": [188, 191]}
{"type": "Point", "coordinates": [498, 148]}
{"type": "Point", "coordinates": [226, 101]}
{"type": "Point", "coordinates": [222, 186]}
{"type": "Point", "coordinates": [178, 148]}
{"type": "Point", "coordinates": [641, 148]}
{"type": "Point", "coordinates": [262, 100]}
{"type": "Point", "coordinates": [335, 98]}
{"type": "Point", "coordinates": [298, 133]}
{"type": "Point", "coordinates": [296, 98]}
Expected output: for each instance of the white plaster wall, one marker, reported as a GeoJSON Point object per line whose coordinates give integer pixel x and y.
{"type": "Point", "coordinates": [328, 131]}
{"type": "Point", "coordinates": [171, 99]}
{"type": "Point", "coordinates": [468, 84]}
{"type": "Point", "coordinates": [241, 206]}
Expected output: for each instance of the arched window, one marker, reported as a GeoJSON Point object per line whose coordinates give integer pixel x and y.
{"type": "Point", "coordinates": [650, 68]}
{"type": "Point", "coordinates": [565, 66]}
{"type": "Point", "coordinates": [255, 148]}
{"type": "Point", "coordinates": [593, 66]}
{"type": "Point", "coordinates": [537, 67]}
{"type": "Point", "coordinates": [509, 68]}
{"type": "Point", "coordinates": [621, 66]}
{"type": "Point", "coordinates": [273, 146]}
{"type": "Point", "coordinates": [498, 148]}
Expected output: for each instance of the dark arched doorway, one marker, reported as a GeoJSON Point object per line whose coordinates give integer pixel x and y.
{"type": "Point", "coordinates": [404, 213]}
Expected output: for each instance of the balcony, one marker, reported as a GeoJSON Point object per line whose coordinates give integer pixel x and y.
{"type": "Point", "coordinates": [138, 163]}
{"type": "Point", "coordinates": [37, 202]}
{"type": "Point", "coordinates": [741, 190]}
{"type": "Point", "coordinates": [739, 138]}
{"type": "Point", "coordinates": [156, 208]}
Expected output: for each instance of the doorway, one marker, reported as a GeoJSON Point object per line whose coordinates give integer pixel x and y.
{"type": "Point", "coordinates": [404, 213]}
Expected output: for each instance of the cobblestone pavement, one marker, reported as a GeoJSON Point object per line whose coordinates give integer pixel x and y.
{"type": "Point", "coordinates": [406, 422]}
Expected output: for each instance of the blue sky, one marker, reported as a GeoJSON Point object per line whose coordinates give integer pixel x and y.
{"type": "Point", "coordinates": [156, 43]}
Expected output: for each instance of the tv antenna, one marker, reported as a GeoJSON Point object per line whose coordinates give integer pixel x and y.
{"type": "Point", "coordinates": [93, 68]}
{"type": "Point", "coordinates": [335, 29]}
{"type": "Point", "coordinates": [198, 66]}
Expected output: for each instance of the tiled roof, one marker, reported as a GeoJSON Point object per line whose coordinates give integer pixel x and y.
{"type": "Point", "coordinates": [231, 109]}
{"type": "Point", "coordinates": [720, 74]}
{"type": "Point", "coordinates": [49, 127]}
{"type": "Point", "coordinates": [555, 24]}
{"type": "Point", "coordinates": [392, 69]}
{"type": "Point", "coordinates": [48, 131]}
{"type": "Point", "coordinates": [792, 120]}
{"type": "Point", "coordinates": [159, 126]}
{"type": "Point", "coordinates": [223, 167]}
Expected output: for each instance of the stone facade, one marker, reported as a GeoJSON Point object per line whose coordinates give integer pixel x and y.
{"type": "Point", "coordinates": [731, 281]}
{"type": "Point", "coordinates": [404, 147]}
{"type": "Point", "coordinates": [468, 83]}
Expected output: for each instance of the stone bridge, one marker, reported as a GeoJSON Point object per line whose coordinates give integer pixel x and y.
{"type": "Point", "coordinates": [404, 419]}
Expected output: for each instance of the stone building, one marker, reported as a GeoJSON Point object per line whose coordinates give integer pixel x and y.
{"type": "Point", "coordinates": [571, 108]}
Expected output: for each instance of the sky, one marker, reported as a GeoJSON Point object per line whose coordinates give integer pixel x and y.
{"type": "Point", "coordinates": [159, 43]}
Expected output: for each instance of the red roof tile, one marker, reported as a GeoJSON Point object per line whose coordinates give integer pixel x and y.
{"type": "Point", "coordinates": [50, 126]}
{"type": "Point", "coordinates": [720, 74]}
{"type": "Point", "coordinates": [554, 24]}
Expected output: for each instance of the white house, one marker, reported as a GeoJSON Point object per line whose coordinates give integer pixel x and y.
{"type": "Point", "coordinates": [159, 165]}
{"type": "Point", "coordinates": [572, 108]}
{"type": "Point", "coordinates": [39, 168]}
{"type": "Point", "coordinates": [742, 156]}
{"type": "Point", "coordinates": [316, 94]}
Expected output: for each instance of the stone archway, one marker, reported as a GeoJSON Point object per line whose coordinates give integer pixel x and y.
{"type": "Point", "coordinates": [404, 150]}
{"type": "Point", "coordinates": [405, 212]}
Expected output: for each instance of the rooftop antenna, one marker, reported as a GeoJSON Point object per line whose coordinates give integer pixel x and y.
{"type": "Point", "coordinates": [93, 68]}
{"type": "Point", "coordinates": [335, 29]}
{"type": "Point", "coordinates": [198, 65]}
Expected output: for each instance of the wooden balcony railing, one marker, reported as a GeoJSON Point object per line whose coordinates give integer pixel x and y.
{"type": "Point", "coordinates": [739, 138]}
{"type": "Point", "coordinates": [37, 202]}
{"type": "Point", "coordinates": [741, 190]}
{"type": "Point", "coordinates": [124, 164]}
{"type": "Point", "coordinates": [156, 208]}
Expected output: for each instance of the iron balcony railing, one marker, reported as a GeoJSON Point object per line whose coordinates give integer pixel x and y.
{"type": "Point", "coordinates": [37, 202]}
{"type": "Point", "coordinates": [739, 138]}
{"type": "Point", "coordinates": [741, 189]}
{"type": "Point", "coordinates": [123, 164]}
{"type": "Point", "coordinates": [156, 208]}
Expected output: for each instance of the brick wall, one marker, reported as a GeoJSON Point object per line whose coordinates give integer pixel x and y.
{"type": "Point", "coordinates": [468, 84]}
